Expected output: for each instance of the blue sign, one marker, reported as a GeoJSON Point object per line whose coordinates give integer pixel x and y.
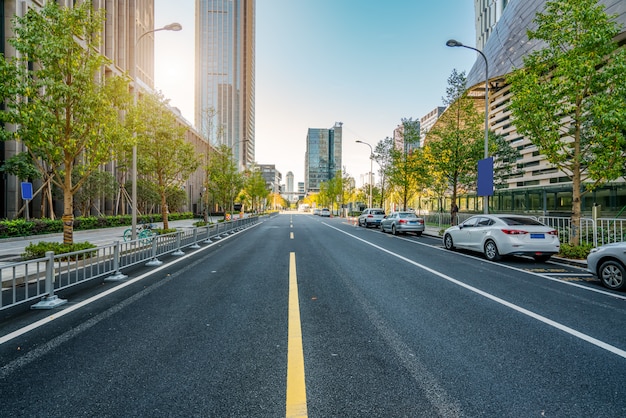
{"type": "Point", "coordinates": [27, 190]}
{"type": "Point", "coordinates": [485, 177]}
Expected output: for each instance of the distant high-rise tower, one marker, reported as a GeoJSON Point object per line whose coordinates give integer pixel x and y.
{"type": "Point", "coordinates": [225, 48]}
{"type": "Point", "coordinates": [488, 13]}
{"type": "Point", "coordinates": [323, 156]}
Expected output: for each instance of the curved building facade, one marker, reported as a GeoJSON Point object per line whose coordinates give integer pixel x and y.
{"type": "Point", "coordinates": [540, 187]}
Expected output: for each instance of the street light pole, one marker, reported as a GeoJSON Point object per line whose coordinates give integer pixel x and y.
{"type": "Point", "coordinates": [454, 43]}
{"type": "Point", "coordinates": [174, 27]}
{"type": "Point", "coordinates": [371, 168]}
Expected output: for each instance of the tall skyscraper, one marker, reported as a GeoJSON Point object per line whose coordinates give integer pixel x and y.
{"type": "Point", "coordinates": [225, 48]}
{"type": "Point", "coordinates": [323, 156]}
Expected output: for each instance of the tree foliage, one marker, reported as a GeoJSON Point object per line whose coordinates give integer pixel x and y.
{"type": "Point", "coordinates": [255, 188]}
{"type": "Point", "coordinates": [223, 180]}
{"type": "Point", "coordinates": [64, 110]}
{"type": "Point", "coordinates": [456, 142]}
{"type": "Point", "coordinates": [569, 99]}
{"type": "Point", "coordinates": [163, 153]}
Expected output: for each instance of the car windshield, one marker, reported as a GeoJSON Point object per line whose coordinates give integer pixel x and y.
{"type": "Point", "coordinates": [519, 220]}
{"type": "Point", "coordinates": [378, 212]}
{"type": "Point", "coordinates": [407, 215]}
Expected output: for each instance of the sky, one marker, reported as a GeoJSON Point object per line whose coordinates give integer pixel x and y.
{"type": "Point", "coordinates": [365, 63]}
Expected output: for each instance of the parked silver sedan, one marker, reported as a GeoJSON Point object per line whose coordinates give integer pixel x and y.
{"type": "Point", "coordinates": [402, 222]}
{"type": "Point", "coordinates": [608, 263]}
{"type": "Point", "coordinates": [497, 235]}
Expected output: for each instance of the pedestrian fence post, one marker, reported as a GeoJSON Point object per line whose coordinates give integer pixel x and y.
{"type": "Point", "coordinates": [117, 274]}
{"type": "Point", "coordinates": [155, 262]}
{"type": "Point", "coordinates": [208, 235]}
{"type": "Point", "coordinates": [195, 245]}
{"type": "Point", "coordinates": [178, 251]}
{"type": "Point", "coordinates": [50, 301]}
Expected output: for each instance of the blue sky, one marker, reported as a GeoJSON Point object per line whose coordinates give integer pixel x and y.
{"type": "Point", "coordinates": [366, 63]}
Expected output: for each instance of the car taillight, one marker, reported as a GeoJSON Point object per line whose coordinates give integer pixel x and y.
{"type": "Point", "coordinates": [553, 232]}
{"type": "Point", "coordinates": [402, 221]}
{"type": "Point", "coordinates": [420, 221]}
{"type": "Point", "coordinates": [514, 232]}
{"type": "Point", "coordinates": [370, 216]}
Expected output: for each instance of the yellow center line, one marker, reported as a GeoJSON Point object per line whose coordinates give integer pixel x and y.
{"type": "Point", "coordinates": [296, 387]}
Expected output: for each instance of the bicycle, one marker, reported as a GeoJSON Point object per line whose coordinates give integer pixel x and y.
{"type": "Point", "coordinates": [144, 233]}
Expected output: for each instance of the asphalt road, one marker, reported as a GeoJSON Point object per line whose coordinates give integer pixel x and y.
{"type": "Point", "coordinates": [388, 327]}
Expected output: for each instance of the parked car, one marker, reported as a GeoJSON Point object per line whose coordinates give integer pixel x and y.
{"type": "Point", "coordinates": [402, 222]}
{"type": "Point", "coordinates": [325, 212]}
{"type": "Point", "coordinates": [371, 217]}
{"type": "Point", "coordinates": [317, 211]}
{"type": "Point", "coordinates": [498, 235]}
{"type": "Point", "coordinates": [608, 263]}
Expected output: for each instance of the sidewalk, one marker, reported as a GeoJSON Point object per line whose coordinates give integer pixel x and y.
{"type": "Point", "coordinates": [12, 248]}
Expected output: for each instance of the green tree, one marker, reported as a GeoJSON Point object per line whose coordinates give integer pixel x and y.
{"type": "Point", "coordinates": [98, 185]}
{"type": "Point", "coordinates": [406, 174]}
{"type": "Point", "coordinates": [456, 142]}
{"type": "Point", "coordinates": [383, 156]}
{"type": "Point", "coordinates": [569, 99]}
{"type": "Point", "coordinates": [64, 110]}
{"type": "Point", "coordinates": [223, 180]}
{"type": "Point", "coordinates": [504, 160]}
{"type": "Point", "coordinates": [255, 188]}
{"type": "Point", "coordinates": [163, 153]}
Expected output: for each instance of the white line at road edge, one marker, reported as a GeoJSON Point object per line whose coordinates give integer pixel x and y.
{"type": "Point", "coordinates": [92, 299]}
{"type": "Point", "coordinates": [496, 299]}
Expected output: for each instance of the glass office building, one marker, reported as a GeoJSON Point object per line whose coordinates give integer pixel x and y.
{"type": "Point", "coordinates": [323, 156]}
{"type": "Point", "coordinates": [225, 48]}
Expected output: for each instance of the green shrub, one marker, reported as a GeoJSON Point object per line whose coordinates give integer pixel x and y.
{"type": "Point", "coordinates": [40, 249]}
{"type": "Point", "coordinates": [575, 252]}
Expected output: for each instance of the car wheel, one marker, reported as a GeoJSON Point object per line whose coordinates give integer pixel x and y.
{"type": "Point", "coordinates": [447, 242]}
{"type": "Point", "coordinates": [542, 258]}
{"type": "Point", "coordinates": [612, 275]}
{"type": "Point", "coordinates": [393, 230]}
{"type": "Point", "coordinates": [491, 251]}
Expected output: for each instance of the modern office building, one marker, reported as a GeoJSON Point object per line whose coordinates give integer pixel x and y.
{"type": "Point", "coordinates": [127, 40]}
{"type": "Point", "coordinates": [323, 156]}
{"type": "Point", "coordinates": [488, 12]}
{"type": "Point", "coordinates": [541, 187]}
{"type": "Point", "coordinates": [428, 120]}
{"type": "Point", "coordinates": [272, 177]}
{"type": "Point", "coordinates": [224, 76]}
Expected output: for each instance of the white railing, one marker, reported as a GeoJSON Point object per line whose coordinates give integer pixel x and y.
{"type": "Point", "coordinates": [39, 279]}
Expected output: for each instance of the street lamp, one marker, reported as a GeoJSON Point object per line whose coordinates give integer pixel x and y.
{"type": "Point", "coordinates": [174, 27]}
{"type": "Point", "coordinates": [455, 43]}
{"type": "Point", "coordinates": [371, 168]}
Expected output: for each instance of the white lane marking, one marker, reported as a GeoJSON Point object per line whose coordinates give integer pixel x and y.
{"type": "Point", "coordinates": [70, 309]}
{"type": "Point", "coordinates": [496, 299]}
{"type": "Point", "coordinates": [542, 275]}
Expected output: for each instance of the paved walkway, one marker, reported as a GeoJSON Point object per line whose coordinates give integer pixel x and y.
{"type": "Point", "coordinates": [12, 248]}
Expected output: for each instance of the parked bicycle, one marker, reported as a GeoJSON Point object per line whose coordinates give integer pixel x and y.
{"type": "Point", "coordinates": [145, 232]}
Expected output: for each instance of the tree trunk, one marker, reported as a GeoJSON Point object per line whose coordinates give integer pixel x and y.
{"type": "Point", "coordinates": [164, 211]}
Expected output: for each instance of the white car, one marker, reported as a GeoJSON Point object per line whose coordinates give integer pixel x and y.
{"type": "Point", "coordinates": [608, 262]}
{"type": "Point", "coordinates": [498, 235]}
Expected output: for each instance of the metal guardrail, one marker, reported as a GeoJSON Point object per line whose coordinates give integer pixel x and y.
{"type": "Point", "coordinates": [39, 279]}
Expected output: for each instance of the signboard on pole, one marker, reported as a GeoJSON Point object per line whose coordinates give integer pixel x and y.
{"type": "Point", "coordinates": [27, 190]}
{"type": "Point", "coordinates": [485, 177]}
